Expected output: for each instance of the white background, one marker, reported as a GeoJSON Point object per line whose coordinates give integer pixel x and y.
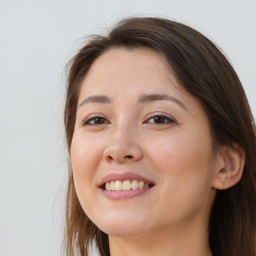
{"type": "Point", "coordinates": [37, 38]}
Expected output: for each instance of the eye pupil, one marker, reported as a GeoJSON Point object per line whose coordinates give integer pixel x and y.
{"type": "Point", "coordinates": [99, 120]}
{"type": "Point", "coordinates": [159, 119]}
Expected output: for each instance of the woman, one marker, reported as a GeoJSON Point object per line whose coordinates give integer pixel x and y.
{"type": "Point", "coordinates": [162, 146]}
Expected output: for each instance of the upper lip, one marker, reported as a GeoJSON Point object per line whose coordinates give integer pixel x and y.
{"type": "Point", "coordinates": [124, 176]}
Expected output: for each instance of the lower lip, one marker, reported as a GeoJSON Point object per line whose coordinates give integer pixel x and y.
{"type": "Point", "coordinates": [119, 195]}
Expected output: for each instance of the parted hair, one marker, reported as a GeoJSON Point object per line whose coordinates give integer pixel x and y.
{"type": "Point", "coordinates": [202, 70]}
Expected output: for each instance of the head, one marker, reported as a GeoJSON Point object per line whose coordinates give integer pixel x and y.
{"type": "Point", "coordinates": [200, 76]}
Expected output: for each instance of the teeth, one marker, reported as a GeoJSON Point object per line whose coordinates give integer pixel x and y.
{"type": "Point", "coordinates": [112, 185]}
{"type": "Point", "coordinates": [125, 185]}
{"type": "Point", "coordinates": [118, 185]}
{"type": "Point", "coordinates": [141, 185]}
{"type": "Point", "coordinates": [146, 185]}
{"type": "Point", "coordinates": [135, 184]}
{"type": "Point", "coordinates": [107, 186]}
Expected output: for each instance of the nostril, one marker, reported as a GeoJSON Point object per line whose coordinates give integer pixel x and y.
{"type": "Point", "coordinates": [110, 158]}
{"type": "Point", "coordinates": [129, 156]}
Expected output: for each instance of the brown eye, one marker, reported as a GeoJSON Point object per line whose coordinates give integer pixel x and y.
{"type": "Point", "coordinates": [160, 119]}
{"type": "Point", "coordinates": [97, 120]}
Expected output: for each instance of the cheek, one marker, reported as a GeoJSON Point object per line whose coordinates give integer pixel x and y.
{"type": "Point", "coordinates": [174, 153]}
{"type": "Point", "coordinates": [186, 184]}
{"type": "Point", "coordinates": [85, 153]}
{"type": "Point", "coordinates": [85, 159]}
{"type": "Point", "coordinates": [183, 163]}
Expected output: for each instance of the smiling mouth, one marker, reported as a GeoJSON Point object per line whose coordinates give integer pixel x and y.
{"type": "Point", "coordinates": [126, 185]}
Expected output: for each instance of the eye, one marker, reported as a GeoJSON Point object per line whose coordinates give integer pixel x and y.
{"type": "Point", "coordinates": [95, 120]}
{"type": "Point", "coordinates": [160, 119]}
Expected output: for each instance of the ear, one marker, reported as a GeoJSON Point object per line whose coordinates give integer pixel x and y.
{"type": "Point", "coordinates": [229, 168]}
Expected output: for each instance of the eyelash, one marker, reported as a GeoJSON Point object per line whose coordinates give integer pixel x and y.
{"type": "Point", "coordinates": [93, 118]}
{"type": "Point", "coordinates": [167, 119]}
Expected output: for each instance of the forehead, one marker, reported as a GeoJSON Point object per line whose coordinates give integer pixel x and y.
{"type": "Point", "coordinates": [140, 69]}
{"type": "Point", "coordinates": [134, 57]}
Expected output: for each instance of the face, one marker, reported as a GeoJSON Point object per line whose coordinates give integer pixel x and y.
{"type": "Point", "coordinates": [141, 151]}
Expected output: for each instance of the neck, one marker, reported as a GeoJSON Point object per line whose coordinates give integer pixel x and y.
{"type": "Point", "coordinates": [181, 242]}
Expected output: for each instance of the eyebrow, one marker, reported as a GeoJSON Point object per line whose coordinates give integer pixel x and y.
{"type": "Point", "coordinates": [145, 98]}
{"type": "Point", "coordinates": [155, 97]}
{"type": "Point", "coordinates": [95, 99]}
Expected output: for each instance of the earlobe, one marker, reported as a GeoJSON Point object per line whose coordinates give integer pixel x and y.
{"type": "Point", "coordinates": [230, 171]}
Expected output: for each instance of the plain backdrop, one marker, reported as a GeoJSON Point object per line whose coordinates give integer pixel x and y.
{"type": "Point", "coordinates": [37, 38]}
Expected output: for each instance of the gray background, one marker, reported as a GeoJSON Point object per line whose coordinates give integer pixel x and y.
{"type": "Point", "coordinates": [37, 38]}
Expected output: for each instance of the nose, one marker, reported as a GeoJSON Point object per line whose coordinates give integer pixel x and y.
{"type": "Point", "coordinates": [123, 146]}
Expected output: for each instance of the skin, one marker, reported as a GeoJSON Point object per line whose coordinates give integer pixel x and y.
{"type": "Point", "coordinates": [175, 152]}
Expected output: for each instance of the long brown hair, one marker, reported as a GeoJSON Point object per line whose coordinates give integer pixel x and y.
{"type": "Point", "coordinates": [205, 73]}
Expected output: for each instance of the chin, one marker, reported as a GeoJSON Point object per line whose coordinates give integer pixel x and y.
{"type": "Point", "coordinates": [122, 224]}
